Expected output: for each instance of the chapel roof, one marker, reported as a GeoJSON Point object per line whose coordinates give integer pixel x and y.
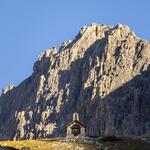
{"type": "Point", "coordinates": [75, 121]}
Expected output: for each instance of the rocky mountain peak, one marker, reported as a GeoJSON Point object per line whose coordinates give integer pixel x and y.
{"type": "Point", "coordinates": [103, 74]}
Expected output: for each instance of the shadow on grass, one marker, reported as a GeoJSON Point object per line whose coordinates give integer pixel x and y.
{"type": "Point", "coordinates": [7, 148]}
{"type": "Point", "coordinates": [115, 143]}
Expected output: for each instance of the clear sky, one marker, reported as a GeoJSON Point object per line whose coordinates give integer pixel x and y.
{"type": "Point", "coordinates": [28, 27]}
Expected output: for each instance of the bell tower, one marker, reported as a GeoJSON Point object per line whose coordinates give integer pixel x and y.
{"type": "Point", "coordinates": [75, 116]}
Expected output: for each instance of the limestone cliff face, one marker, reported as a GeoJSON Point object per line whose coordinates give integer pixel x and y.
{"type": "Point", "coordinates": [103, 74]}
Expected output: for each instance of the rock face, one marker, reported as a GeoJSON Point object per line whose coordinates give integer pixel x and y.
{"type": "Point", "coordinates": [7, 88]}
{"type": "Point", "coordinates": [103, 74]}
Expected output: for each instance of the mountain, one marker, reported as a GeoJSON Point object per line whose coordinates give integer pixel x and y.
{"type": "Point", "coordinates": [103, 74]}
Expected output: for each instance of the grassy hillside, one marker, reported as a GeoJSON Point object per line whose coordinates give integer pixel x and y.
{"type": "Point", "coordinates": [109, 143]}
{"type": "Point", "coordinates": [47, 145]}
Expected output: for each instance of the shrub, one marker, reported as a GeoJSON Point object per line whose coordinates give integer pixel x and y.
{"type": "Point", "coordinates": [110, 139]}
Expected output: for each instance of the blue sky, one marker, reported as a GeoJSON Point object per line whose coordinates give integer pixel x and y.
{"type": "Point", "coordinates": [28, 27]}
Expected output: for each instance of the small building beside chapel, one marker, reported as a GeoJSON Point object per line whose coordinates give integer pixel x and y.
{"type": "Point", "coordinates": [75, 128]}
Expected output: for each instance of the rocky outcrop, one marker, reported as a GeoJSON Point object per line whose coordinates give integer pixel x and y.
{"type": "Point", "coordinates": [7, 88]}
{"type": "Point", "coordinates": [103, 74]}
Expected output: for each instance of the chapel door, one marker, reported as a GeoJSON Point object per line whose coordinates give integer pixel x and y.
{"type": "Point", "coordinates": [76, 130]}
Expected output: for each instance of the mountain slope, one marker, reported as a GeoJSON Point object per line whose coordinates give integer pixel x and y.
{"type": "Point", "coordinates": [103, 74]}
